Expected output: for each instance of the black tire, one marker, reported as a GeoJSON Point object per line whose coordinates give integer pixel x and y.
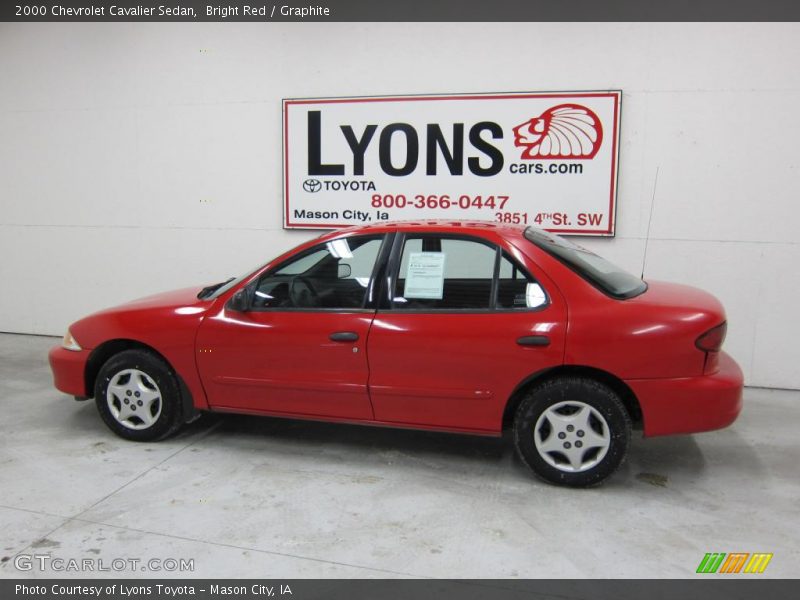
{"type": "Point", "coordinates": [166, 408]}
{"type": "Point", "coordinates": [560, 397]}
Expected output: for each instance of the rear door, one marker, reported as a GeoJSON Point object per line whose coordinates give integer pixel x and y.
{"type": "Point", "coordinates": [464, 324]}
{"type": "Point", "coordinates": [300, 348]}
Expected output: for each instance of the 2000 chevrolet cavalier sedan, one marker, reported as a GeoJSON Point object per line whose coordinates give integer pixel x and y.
{"type": "Point", "coordinates": [461, 327]}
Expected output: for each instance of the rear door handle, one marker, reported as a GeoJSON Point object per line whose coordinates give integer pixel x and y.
{"type": "Point", "coordinates": [344, 336]}
{"type": "Point", "coordinates": [533, 340]}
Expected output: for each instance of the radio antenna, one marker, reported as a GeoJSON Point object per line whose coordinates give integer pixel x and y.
{"type": "Point", "coordinates": [650, 221]}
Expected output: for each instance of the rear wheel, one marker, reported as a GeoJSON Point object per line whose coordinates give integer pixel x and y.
{"type": "Point", "coordinates": [572, 431]}
{"type": "Point", "coordinates": [138, 396]}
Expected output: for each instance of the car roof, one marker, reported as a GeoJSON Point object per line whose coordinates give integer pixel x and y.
{"type": "Point", "coordinates": [463, 226]}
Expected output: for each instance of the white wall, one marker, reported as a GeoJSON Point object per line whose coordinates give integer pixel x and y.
{"type": "Point", "coordinates": [141, 157]}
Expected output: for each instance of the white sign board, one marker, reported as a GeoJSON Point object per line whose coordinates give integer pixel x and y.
{"type": "Point", "coordinates": [543, 159]}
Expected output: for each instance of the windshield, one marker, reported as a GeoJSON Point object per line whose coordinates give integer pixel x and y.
{"type": "Point", "coordinates": [231, 283]}
{"type": "Point", "coordinates": [602, 274]}
{"type": "Point", "coordinates": [224, 286]}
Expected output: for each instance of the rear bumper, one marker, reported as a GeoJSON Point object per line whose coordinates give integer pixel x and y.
{"type": "Point", "coordinates": [691, 404]}
{"type": "Point", "coordinates": [68, 368]}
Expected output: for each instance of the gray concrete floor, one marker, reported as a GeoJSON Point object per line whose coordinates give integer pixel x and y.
{"type": "Point", "coordinates": [246, 496]}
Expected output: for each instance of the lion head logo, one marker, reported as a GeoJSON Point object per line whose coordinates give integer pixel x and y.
{"type": "Point", "coordinates": [564, 131]}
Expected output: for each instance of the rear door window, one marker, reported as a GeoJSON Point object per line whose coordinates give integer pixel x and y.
{"type": "Point", "coordinates": [449, 273]}
{"type": "Point", "coordinates": [442, 273]}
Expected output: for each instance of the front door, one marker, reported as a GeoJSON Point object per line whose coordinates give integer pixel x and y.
{"type": "Point", "coordinates": [301, 347]}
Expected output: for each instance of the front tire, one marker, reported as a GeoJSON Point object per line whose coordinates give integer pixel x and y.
{"type": "Point", "coordinates": [138, 396]}
{"type": "Point", "coordinates": [572, 431]}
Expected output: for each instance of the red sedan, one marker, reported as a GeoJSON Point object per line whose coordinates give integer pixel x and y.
{"type": "Point", "coordinates": [461, 327]}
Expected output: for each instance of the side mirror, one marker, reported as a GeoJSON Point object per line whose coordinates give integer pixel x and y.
{"type": "Point", "coordinates": [240, 301]}
{"type": "Point", "coordinates": [344, 271]}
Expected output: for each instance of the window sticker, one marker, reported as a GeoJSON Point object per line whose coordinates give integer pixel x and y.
{"type": "Point", "coordinates": [425, 275]}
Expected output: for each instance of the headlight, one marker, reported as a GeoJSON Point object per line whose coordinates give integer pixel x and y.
{"type": "Point", "coordinates": [69, 342]}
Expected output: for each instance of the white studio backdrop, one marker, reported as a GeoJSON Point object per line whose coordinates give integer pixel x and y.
{"type": "Point", "coordinates": [136, 158]}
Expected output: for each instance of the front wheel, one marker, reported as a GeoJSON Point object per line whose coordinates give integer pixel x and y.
{"type": "Point", "coordinates": [572, 431]}
{"type": "Point", "coordinates": [138, 397]}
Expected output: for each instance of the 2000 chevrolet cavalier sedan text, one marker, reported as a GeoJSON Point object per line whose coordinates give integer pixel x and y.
{"type": "Point", "coordinates": [464, 327]}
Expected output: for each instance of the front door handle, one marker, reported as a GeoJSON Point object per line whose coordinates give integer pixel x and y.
{"type": "Point", "coordinates": [343, 336]}
{"type": "Point", "coordinates": [533, 340]}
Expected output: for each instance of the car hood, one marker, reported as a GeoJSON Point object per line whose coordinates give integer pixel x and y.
{"type": "Point", "coordinates": [174, 298]}
{"type": "Point", "coordinates": [159, 320]}
{"type": "Point", "coordinates": [177, 302]}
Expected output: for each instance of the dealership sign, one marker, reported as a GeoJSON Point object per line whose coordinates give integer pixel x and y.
{"type": "Point", "coordinates": [543, 159]}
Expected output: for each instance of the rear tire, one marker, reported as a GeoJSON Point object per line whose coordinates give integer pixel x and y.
{"type": "Point", "coordinates": [572, 431]}
{"type": "Point", "coordinates": [138, 396]}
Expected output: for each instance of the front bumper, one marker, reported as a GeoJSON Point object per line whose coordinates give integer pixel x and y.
{"type": "Point", "coordinates": [69, 367]}
{"type": "Point", "coordinates": [691, 404]}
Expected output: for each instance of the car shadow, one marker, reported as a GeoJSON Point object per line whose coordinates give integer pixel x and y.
{"type": "Point", "coordinates": [671, 461]}
{"type": "Point", "coordinates": [685, 460]}
{"type": "Point", "coordinates": [83, 418]}
{"type": "Point", "coordinates": [358, 438]}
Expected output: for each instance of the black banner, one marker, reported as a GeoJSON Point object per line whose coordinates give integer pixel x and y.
{"type": "Point", "coordinates": [383, 589]}
{"type": "Point", "coordinates": [405, 10]}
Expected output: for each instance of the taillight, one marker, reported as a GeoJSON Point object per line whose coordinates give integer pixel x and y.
{"type": "Point", "coordinates": [711, 340]}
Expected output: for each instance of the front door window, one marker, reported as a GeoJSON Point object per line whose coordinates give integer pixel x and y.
{"type": "Point", "coordinates": [333, 275]}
